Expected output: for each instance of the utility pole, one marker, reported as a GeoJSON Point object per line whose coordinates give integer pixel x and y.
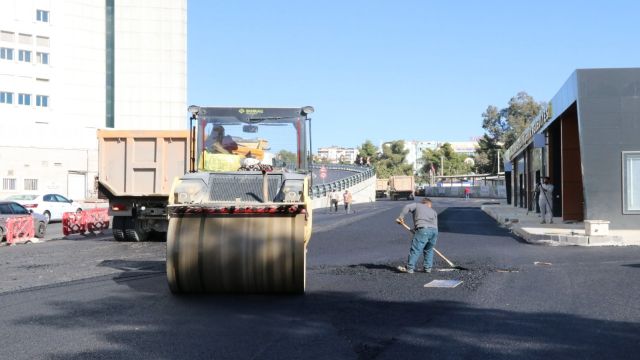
{"type": "Point", "coordinates": [441, 165]}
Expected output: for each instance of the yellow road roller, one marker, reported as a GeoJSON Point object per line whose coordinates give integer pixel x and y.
{"type": "Point", "coordinates": [240, 220]}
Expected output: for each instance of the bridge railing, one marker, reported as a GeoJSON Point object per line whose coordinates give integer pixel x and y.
{"type": "Point", "coordinates": [361, 173]}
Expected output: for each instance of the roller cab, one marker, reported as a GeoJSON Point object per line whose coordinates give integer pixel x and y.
{"type": "Point", "coordinates": [240, 221]}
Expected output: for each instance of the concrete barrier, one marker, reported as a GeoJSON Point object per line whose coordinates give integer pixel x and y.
{"type": "Point", "coordinates": [491, 192]}
{"type": "Point", "coordinates": [362, 192]}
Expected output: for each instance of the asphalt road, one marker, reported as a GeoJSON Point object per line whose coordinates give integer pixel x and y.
{"type": "Point", "coordinates": [94, 298]}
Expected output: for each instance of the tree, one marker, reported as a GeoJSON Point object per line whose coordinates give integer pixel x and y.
{"type": "Point", "coordinates": [367, 149]}
{"type": "Point", "coordinates": [507, 124]}
{"type": "Point", "coordinates": [454, 163]}
{"type": "Point", "coordinates": [393, 160]}
{"type": "Point", "coordinates": [287, 156]}
{"type": "Point", "coordinates": [486, 155]}
{"type": "Point", "coordinates": [503, 127]}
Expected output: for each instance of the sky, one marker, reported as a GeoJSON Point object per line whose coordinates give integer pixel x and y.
{"type": "Point", "coordinates": [389, 70]}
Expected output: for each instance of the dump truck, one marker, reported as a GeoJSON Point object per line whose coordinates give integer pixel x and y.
{"type": "Point", "coordinates": [401, 186]}
{"type": "Point", "coordinates": [136, 169]}
{"type": "Point", "coordinates": [382, 186]}
{"type": "Point", "coordinates": [240, 220]}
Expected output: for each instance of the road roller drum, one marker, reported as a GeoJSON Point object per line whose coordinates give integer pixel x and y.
{"type": "Point", "coordinates": [236, 253]}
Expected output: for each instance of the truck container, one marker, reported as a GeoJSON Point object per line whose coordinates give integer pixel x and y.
{"type": "Point", "coordinates": [136, 169]}
{"type": "Point", "coordinates": [401, 186]}
{"type": "Point", "coordinates": [382, 186]}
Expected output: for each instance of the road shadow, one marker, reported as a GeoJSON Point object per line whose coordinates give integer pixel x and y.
{"type": "Point", "coordinates": [320, 325]}
{"type": "Point", "coordinates": [470, 221]}
{"type": "Point", "coordinates": [632, 265]}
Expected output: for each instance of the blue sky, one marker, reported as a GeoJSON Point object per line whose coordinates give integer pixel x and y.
{"type": "Point", "coordinates": [387, 70]}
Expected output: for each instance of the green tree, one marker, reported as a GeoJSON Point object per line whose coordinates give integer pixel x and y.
{"type": "Point", "coordinates": [486, 155]}
{"type": "Point", "coordinates": [444, 160]}
{"type": "Point", "coordinates": [503, 127]}
{"type": "Point", "coordinates": [507, 124]}
{"type": "Point", "coordinates": [393, 160]}
{"type": "Point", "coordinates": [287, 156]}
{"type": "Point", "coordinates": [367, 149]}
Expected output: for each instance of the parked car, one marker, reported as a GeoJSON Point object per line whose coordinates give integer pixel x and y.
{"type": "Point", "coordinates": [9, 209]}
{"type": "Point", "coordinates": [52, 206]}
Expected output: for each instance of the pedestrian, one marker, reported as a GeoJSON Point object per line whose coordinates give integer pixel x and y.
{"type": "Point", "coordinates": [545, 199]}
{"type": "Point", "coordinates": [367, 161]}
{"type": "Point", "coordinates": [425, 234]}
{"type": "Point", "coordinates": [467, 191]}
{"type": "Point", "coordinates": [358, 160]}
{"type": "Point", "coordinates": [347, 198]}
{"type": "Point", "coordinates": [334, 196]}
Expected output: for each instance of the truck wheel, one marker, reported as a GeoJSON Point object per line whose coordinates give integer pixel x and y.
{"type": "Point", "coordinates": [118, 228]}
{"type": "Point", "coordinates": [134, 231]}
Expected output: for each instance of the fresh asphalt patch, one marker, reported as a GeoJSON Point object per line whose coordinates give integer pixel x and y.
{"type": "Point", "coordinates": [388, 272]}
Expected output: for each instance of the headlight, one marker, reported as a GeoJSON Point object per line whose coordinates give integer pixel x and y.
{"type": "Point", "coordinates": [190, 192]}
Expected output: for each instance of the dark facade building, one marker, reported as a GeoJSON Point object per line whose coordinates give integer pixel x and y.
{"type": "Point", "coordinates": [588, 142]}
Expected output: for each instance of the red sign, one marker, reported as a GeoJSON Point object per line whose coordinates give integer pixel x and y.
{"type": "Point", "coordinates": [323, 172]}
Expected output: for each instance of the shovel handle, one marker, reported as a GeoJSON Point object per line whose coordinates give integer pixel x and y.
{"type": "Point", "coordinates": [434, 249]}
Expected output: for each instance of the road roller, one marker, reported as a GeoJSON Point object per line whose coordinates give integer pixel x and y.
{"type": "Point", "coordinates": [240, 220]}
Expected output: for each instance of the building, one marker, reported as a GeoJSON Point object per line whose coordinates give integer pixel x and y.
{"type": "Point", "coordinates": [416, 148]}
{"type": "Point", "coordinates": [68, 68]}
{"type": "Point", "coordinates": [337, 154]}
{"type": "Point", "coordinates": [588, 142]}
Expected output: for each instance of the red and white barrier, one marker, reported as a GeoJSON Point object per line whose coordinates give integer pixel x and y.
{"type": "Point", "coordinates": [73, 223]}
{"type": "Point", "coordinates": [96, 220]}
{"type": "Point", "coordinates": [20, 229]}
{"type": "Point", "coordinates": [93, 220]}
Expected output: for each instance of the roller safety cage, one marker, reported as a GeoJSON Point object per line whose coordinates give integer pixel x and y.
{"type": "Point", "coordinates": [240, 220]}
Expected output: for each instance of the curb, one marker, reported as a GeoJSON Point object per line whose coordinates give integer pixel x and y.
{"type": "Point", "coordinates": [551, 239]}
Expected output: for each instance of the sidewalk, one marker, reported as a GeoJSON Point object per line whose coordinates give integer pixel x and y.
{"type": "Point", "coordinates": [528, 227]}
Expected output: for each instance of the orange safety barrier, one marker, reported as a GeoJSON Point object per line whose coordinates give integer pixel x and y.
{"type": "Point", "coordinates": [73, 223]}
{"type": "Point", "coordinates": [96, 219]}
{"type": "Point", "coordinates": [93, 220]}
{"type": "Point", "coordinates": [20, 229]}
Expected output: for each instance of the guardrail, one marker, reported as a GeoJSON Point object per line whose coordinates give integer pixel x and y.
{"type": "Point", "coordinates": [362, 173]}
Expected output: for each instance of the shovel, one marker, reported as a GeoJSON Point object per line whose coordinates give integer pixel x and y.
{"type": "Point", "coordinates": [451, 265]}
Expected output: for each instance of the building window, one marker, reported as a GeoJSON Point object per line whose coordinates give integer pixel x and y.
{"type": "Point", "coordinates": [31, 184]}
{"type": "Point", "coordinates": [631, 182]}
{"type": "Point", "coordinates": [42, 15]}
{"type": "Point", "coordinates": [6, 53]}
{"type": "Point", "coordinates": [6, 97]}
{"type": "Point", "coordinates": [24, 55]}
{"type": "Point", "coordinates": [8, 184]}
{"type": "Point", "coordinates": [42, 100]}
{"type": "Point", "coordinates": [43, 58]}
{"type": "Point", "coordinates": [43, 41]}
{"type": "Point", "coordinates": [7, 36]}
{"type": "Point", "coordinates": [24, 99]}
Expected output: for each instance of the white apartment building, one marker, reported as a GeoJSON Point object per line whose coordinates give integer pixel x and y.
{"type": "Point", "coordinates": [70, 67]}
{"type": "Point", "coordinates": [414, 157]}
{"type": "Point", "coordinates": [337, 154]}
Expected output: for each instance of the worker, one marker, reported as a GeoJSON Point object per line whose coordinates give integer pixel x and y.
{"type": "Point", "coordinates": [545, 199]}
{"type": "Point", "coordinates": [218, 142]}
{"type": "Point", "coordinates": [425, 234]}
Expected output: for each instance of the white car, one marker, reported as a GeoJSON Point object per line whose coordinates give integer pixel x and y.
{"type": "Point", "coordinates": [52, 206]}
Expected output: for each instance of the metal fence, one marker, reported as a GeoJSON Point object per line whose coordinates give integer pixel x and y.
{"type": "Point", "coordinates": [361, 173]}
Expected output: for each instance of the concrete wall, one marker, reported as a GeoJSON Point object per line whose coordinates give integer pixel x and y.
{"type": "Point", "coordinates": [609, 123]}
{"type": "Point", "coordinates": [363, 192]}
{"type": "Point", "coordinates": [492, 192]}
